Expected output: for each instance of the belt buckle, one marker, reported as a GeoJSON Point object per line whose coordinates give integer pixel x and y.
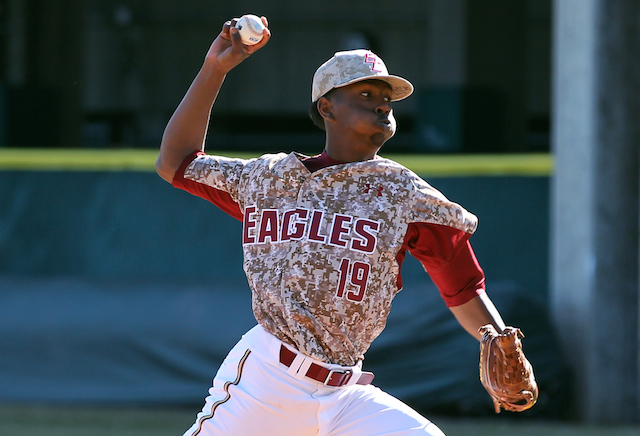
{"type": "Point", "coordinates": [346, 376]}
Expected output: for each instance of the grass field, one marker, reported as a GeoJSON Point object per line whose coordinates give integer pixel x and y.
{"type": "Point", "coordinates": [536, 164]}
{"type": "Point", "coordinates": [108, 421]}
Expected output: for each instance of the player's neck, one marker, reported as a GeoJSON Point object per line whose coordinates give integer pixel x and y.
{"type": "Point", "coordinates": [347, 150]}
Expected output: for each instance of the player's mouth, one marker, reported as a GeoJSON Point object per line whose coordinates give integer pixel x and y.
{"type": "Point", "coordinates": [385, 121]}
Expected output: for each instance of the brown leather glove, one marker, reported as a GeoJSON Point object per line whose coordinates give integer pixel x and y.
{"type": "Point", "coordinates": [504, 370]}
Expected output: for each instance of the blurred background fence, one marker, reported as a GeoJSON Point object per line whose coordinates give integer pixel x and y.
{"type": "Point", "coordinates": [116, 288]}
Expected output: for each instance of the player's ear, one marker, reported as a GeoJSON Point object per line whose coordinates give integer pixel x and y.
{"type": "Point", "coordinates": [324, 108]}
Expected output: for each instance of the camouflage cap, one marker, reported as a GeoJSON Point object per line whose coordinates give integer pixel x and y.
{"type": "Point", "coordinates": [347, 67]}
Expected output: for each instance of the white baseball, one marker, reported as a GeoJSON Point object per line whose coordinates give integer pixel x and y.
{"type": "Point", "coordinates": [250, 28]}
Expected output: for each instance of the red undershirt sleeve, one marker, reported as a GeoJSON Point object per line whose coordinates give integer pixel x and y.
{"type": "Point", "coordinates": [447, 256]}
{"type": "Point", "coordinates": [220, 198]}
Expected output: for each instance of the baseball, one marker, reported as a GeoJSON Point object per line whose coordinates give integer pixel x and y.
{"type": "Point", "coordinates": [250, 28]}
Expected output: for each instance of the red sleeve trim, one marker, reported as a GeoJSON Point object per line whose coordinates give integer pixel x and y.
{"type": "Point", "coordinates": [221, 199]}
{"type": "Point", "coordinates": [447, 256]}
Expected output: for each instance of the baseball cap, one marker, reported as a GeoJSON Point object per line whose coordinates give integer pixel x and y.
{"type": "Point", "coordinates": [347, 67]}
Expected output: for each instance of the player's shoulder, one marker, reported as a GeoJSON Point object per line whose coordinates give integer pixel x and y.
{"type": "Point", "coordinates": [392, 165]}
{"type": "Point", "coordinates": [399, 171]}
{"type": "Point", "coordinates": [423, 190]}
{"type": "Point", "coordinates": [274, 157]}
{"type": "Point", "coordinates": [432, 206]}
{"type": "Point", "coordinates": [268, 158]}
{"type": "Point", "coordinates": [248, 163]}
{"type": "Point", "coordinates": [274, 160]}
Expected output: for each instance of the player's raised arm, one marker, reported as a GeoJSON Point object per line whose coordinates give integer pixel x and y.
{"type": "Point", "coordinates": [187, 128]}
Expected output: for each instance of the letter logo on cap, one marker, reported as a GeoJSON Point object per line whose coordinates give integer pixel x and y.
{"type": "Point", "coordinates": [374, 61]}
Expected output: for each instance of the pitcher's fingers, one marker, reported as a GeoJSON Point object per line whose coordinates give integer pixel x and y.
{"type": "Point", "coordinates": [225, 30]}
{"type": "Point", "coordinates": [236, 41]}
{"type": "Point", "coordinates": [226, 27]}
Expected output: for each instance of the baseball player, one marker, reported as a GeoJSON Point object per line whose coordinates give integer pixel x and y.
{"type": "Point", "coordinates": [323, 241]}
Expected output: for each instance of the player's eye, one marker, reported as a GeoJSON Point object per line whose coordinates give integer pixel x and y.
{"type": "Point", "coordinates": [366, 93]}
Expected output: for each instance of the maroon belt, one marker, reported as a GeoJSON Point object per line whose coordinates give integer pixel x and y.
{"type": "Point", "coordinates": [326, 376]}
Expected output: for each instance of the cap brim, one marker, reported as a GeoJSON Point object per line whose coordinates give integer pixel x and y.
{"type": "Point", "coordinates": [401, 87]}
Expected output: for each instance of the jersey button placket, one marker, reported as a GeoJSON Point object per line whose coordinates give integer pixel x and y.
{"type": "Point", "coordinates": [304, 201]}
{"type": "Point", "coordinates": [305, 194]}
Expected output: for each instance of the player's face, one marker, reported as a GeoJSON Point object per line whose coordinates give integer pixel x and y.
{"type": "Point", "coordinates": [364, 109]}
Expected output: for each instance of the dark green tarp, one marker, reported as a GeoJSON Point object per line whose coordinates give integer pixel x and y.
{"type": "Point", "coordinates": [117, 288]}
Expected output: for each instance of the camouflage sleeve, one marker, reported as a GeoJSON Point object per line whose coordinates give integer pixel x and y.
{"type": "Point", "coordinates": [431, 206]}
{"type": "Point", "coordinates": [438, 236]}
{"type": "Point", "coordinates": [214, 178]}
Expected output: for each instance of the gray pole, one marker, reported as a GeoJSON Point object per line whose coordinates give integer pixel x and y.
{"type": "Point", "coordinates": [594, 271]}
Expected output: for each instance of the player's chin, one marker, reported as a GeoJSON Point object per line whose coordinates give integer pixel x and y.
{"type": "Point", "coordinates": [379, 138]}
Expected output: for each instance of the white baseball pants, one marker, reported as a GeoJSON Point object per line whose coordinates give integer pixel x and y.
{"type": "Point", "coordinates": [253, 394]}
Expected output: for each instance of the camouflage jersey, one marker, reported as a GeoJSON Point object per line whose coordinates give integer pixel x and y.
{"type": "Point", "coordinates": [321, 248]}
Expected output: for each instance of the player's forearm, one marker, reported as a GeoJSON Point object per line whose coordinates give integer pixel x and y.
{"type": "Point", "coordinates": [186, 130]}
{"type": "Point", "coordinates": [478, 312]}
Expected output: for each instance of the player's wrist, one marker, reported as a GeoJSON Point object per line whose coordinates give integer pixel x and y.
{"type": "Point", "coordinates": [213, 67]}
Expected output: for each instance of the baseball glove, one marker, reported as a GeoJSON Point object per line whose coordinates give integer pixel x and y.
{"type": "Point", "coordinates": [504, 370]}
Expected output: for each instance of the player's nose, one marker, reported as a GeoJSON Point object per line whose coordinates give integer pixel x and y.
{"type": "Point", "coordinates": [384, 107]}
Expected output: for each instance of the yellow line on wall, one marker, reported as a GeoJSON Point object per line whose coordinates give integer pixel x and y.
{"type": "Point", "coordinates": [531, 164]}
{"type": "Point", "coordinates": [29, 159]}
